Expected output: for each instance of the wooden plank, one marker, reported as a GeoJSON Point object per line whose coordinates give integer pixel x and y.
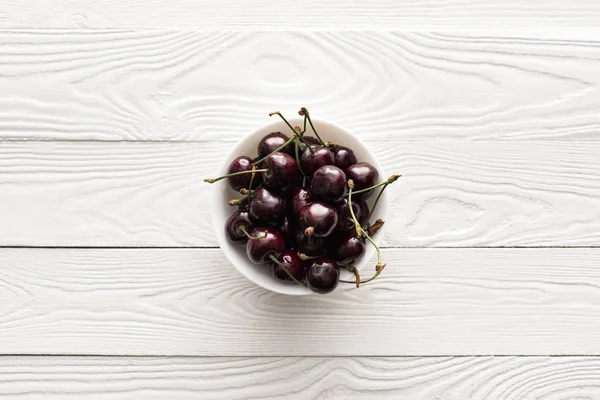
{"type": "Point", "coordinates": [190, 85]}
{"type": "Point", "coordinates": [151, 194]}
{"type": "Point", "coordinates": [111, 378]}
{"type": "Point", "coordinates": [309, 14]}
{"type": "Point", "coordinates": [192, 302]}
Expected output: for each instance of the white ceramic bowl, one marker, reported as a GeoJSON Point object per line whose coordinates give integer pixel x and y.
{"type": "Point", "coordinates": [260, 274]}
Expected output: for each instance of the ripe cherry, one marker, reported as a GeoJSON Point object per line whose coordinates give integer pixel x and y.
{"type": "Point", "coordinates": [272, 142]}
{"type": "Point", "coordinates": [318, 219]}
{"type": "Point", "coordinates": [310, 245]}
{"type": "Point", "coordinates": [364, 175]}
{"type": "Point", "coordinates": [292, 263]}
{"type": "Point", "coordinates": [266, 206]}
{"type": "Point", "coordinates": [346, 248]}
{"type": "Point", "coordinates": [311, 161]}
{"type": "Point", "coordinates": [271, 243]}
{"type": "Point", "coordinates": [238, 182]}
{"type": "Point", "coordinates": [322, 275]}
{"type": "Point", "coordinates": [237, 226]}
{"type": "Point", "coordinates": [345, 222]}
{"type": "Point", "coordinates": [344, 157]}
{"type": "Point", "coordinates": [282, 172]}
{"type": "Point", "coordinates": [300, 198]}
{"type": "Point", "coordinates": [328, 183]}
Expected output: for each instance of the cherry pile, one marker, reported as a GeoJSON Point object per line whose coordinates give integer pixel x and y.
{"type": "Point", "coordinates": [303, 211]}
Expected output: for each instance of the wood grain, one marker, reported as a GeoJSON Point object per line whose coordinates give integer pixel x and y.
{"type": "Point", "coordinates": [206, 86]}
{"type": "Point", "coordinates": [319, 378]}
{"type": "Point", "coordinates": [308, 14]}
{"type": "Point", "coordinates": [193, 302]}
{"type": "Point", "coordinates": [151, 194]}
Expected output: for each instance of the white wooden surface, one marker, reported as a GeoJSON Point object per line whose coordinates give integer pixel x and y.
{"type": "Point", "coordinates": [112, 112]}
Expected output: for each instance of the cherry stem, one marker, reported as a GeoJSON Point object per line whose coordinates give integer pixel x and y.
{"type": "Point", "coordinates": [380, 193]}
{"type": "Point", "coordinates": [362, 282]}
{"type": "Point", "coordinates": [390, 180]}
{"type": "Point", "coordinates": [276, 261]}
{"type": "Point", "coordinates": [352, 269]}
{"type": "Point", "coordinates": [297, 133]}
{"type": "Point", "coordinates": [213, 180]}
{"type": "Point", "coordinates": [296, 145]}
{"type": "Point", "coordinates": [243, 229]}
{"type": "Point", "coordinates": [304, 111]}
{"type": "Point", "coordinates": [360, 230]}
{"type": "Point", "coordinates": [251, 178]}
{"type": "Point", "coordinates": [305, 257]}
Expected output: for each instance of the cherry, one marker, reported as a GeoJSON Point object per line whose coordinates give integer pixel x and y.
{"type": "Point", "coordinates": [266, 206]}
{"type": "Point", "coordinates": [344, 157]}
{"type": "Point", "coordinates": [310, 245]}
{"type": "Point", "coordinates": [288, 230]}
{"type": "Point", "coordinates": [364, 175]}
{"type": "Point", "coordinates": [322, 275]}
{"type": "Point", "coordinates": [300, 198]}
{"type": "Point", "coordinates": [345, 222]}
{"type": "Point", "coordinates": [346, 248]}
{"type": "Point", "coordinates": [311, 140]}
{"type": "Point", "coordinates": [272, 142]}
{"type": "Point", "coordinates": [292, 263]}
{"type": "Point", "coordinates": [311, 161]}
{"type": "Point", "coordinates": [238, 182]}
{"type": "Point", "coordinates": [318, 219]}
{"type": "Point", "coordinates": [282, 171]}
{"type": "Point", "coordinates": [259, 250]}
{"type": "Point", "coordinates": [237, 226]}
{"type": "Point", "coordinates": [328, 183]}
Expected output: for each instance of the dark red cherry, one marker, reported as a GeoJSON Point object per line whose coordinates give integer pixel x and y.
{"type": "Point", "coordinates": [322, 276]}
{"type": "Point", "coordinates": [266, 206]}
{"type": "Point", "coordinates": [345, 222]}
{"type": "Point", "coordinates": [283, 171]}
{"type": "Point", "coordinates": [319, 217]}
{"type": "Point", "coordinates": [272, 142]}
{"type": "Point", "coordinates": [346, 248]}
{"type": "Point", "coordinates": [328, 183]}
{"type": "Point", "coordinates": [310, 162]}
{"type": "Point", "coordinates": [259, 250]}
{"type": "Point", "coordinates": [299, 198]}
{"type": "Point", "coordinates": [310, 140]}
{"type": "Point", "coordinates": [364, 213]}
{"type": "Point", "coordinates": [310, 245]}
{"type": "Point", "coordinates": [344, 157]}
{"type": "Point", "coordinates": [288, 229]}
{"type": "Point", "coordinates": [235, 226]}
{"type": "Point", "coordinates": [363, 175]}
{"type": "Point", "coordinates": [238, 182]}
{"type": "Point", "coordinates": [290, 260]}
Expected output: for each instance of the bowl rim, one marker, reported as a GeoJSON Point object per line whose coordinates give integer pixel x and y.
{"type": "Point", "coordinates": [280, 287]}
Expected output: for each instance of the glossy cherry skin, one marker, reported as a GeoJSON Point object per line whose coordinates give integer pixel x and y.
{"type": "Point", "coordinates": [310, 140]}
{"type": "Point", "coordinates": [322, 275]}
{"type": "Point", "coordinates": [363, 175]}
{"type": "Point", "coordinates": [345, 222]}
{"type": "Point", "coordinates": [310, 245]}
{"type": "Point", "coordinates": [320, 216]}
{"type": "Point", "coordinates": [259, 250]}
{"type": "Point", "coordinates": [344, 157]}
{"type": "Point", "coordinates": [266, 206]}
{"type": "Point", "coordinates": [364, 213]}
{"type": "Point", "coordinates": [290, 260]}
{"type": "Point", "coordinates": [346, 248]}
{"type": "Point", "coordinates": [283, 171]}
{"type": "Point", "coordinates": [238, 182]}
{"type": "Point", "coordinates": [288, 229]}
{"type": "Point", "coordinates": [233, 226]}
{"type": "Point", "coordinates": [328, 183]}
{"type": "Point", "coordinates": [272, 142]}
{"type": "Point", "coordinates": [299, 198]}
{"type": "Point", "coordinates": [310, 162]}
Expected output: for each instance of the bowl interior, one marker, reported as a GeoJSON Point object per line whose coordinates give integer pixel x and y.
{"type": "Point", "coordinates": [260, 274]}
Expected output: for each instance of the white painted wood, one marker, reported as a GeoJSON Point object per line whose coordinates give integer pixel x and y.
{"type": "Point", "coordinates": [308, 14]}
{"type": "Point", "coordinates": [462, 378]}
{"type": "Point", "coordinates": [192, 302]}
{"type": "Point", "coordinates": [192, 85]}
{"type": "Point", "coordinates": [153, 194]}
